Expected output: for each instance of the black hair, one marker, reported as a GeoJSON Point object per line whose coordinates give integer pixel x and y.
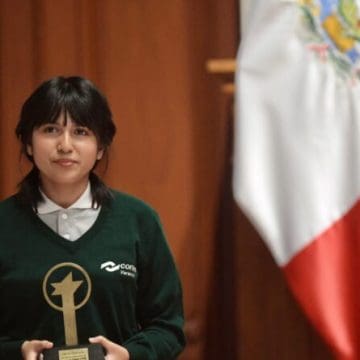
{"type": "Point", "coordinates": [86, 105]}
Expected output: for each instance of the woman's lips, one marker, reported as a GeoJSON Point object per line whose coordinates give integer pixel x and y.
{"type": "Point", "coordinates": [65, 162]}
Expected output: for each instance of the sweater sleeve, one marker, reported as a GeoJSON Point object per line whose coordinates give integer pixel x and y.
{"type": "Point", "coordinates": [10, 349]}
{"type": "Point", "coordinates": [159, 300]}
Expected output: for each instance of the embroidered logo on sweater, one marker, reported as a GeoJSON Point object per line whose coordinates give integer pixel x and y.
{"type": "Point", "coordinates": [125, 269]}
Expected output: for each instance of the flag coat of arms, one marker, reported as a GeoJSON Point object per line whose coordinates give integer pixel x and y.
{"type": "Point", "coordinates": [297, 153]}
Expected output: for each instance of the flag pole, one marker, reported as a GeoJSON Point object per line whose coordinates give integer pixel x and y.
{"type": "Point", "coordinates": [225, 66]}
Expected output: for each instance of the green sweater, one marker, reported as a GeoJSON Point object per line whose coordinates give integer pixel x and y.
{"type": "Point", "coordinates": [136, 298]}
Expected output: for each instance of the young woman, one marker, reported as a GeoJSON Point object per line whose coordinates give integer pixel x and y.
{"type": "Point", "coordinates": [63, 214]}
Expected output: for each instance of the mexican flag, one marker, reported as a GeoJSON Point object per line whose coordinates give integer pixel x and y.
{"type": "Point", "coordinates": [297, 153]}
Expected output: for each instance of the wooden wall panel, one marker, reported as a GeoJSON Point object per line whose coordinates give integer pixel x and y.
{"type": "Point", "coordinates": [16, 80]}
{"type": "Point", "coordinates": [58, 38]}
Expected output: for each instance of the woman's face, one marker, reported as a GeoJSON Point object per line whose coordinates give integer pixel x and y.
{"type": "Point", "coordinates": [64, 153]}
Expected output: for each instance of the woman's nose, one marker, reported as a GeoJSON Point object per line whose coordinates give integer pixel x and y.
{"type": "Point", "coordinates": [65, 144]}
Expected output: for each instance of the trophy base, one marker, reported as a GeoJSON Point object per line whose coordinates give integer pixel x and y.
{"type": "Point", "coordinates": [76, 352]}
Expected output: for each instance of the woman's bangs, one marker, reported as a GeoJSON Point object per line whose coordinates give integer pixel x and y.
{"type": "Point", "coordinates": [48, 115]}
{"type": "Point", "coordinates": [80, 115]}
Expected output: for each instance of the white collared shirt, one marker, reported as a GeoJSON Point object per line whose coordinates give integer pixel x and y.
{"type": "Point", "coordinates": [70, 223]}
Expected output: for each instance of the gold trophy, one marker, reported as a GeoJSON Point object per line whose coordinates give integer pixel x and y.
{"type": "Point", "coordinates": [66, 289]}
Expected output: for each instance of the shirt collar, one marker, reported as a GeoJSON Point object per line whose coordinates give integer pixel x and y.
{"type": "Point", "coordinates": [84, 202]}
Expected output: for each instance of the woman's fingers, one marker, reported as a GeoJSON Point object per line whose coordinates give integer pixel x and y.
{"type": "Point", "coordinates": [32, 349]}
{"type": "Point", "coordinates": [113, 350]}
{"type": "Point", "coordinates": [102, 341]}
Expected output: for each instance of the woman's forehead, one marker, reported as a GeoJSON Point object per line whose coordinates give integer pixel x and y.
{"type": "Point", "coordinates": [64, 118]}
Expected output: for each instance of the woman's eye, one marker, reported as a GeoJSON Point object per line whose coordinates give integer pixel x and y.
{"type": "Point", "coordinates": [50, 129]}
{"type": "Point", "coordinates": [82, 131]}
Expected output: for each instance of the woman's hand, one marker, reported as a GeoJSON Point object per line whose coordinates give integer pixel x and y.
{"type": "Point", "coordinates": [113, 351]}
{"type": "Point", "coordinates": [31, 350]}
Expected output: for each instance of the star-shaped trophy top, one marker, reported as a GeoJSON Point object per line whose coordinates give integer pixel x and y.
{"type": "Point", "coordinates": [66, 286]}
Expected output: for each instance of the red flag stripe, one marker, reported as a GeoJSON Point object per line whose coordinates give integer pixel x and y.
{"type": "Point", "coordinates": [325, 279]}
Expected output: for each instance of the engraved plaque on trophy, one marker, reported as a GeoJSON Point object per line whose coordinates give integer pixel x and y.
{"type": "Point", "coordinates": [66, 289]}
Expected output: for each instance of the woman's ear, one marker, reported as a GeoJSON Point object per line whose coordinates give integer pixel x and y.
{"type": "Point", "coordinates": [29, 150]}
{"type": "Point", "coordinates": [100, 154]}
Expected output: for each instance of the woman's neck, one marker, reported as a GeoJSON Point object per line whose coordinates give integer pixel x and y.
{"type": "Point", "coordinates": [64, 195]}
